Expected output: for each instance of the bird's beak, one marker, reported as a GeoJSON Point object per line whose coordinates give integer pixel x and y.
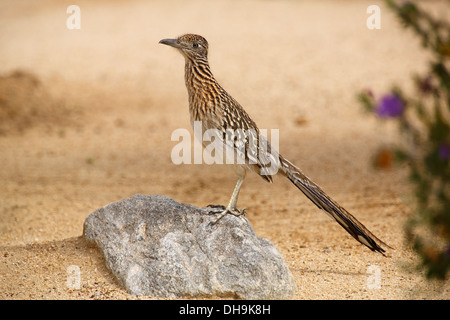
{"type": "Point", "coordinates": [170, 42]}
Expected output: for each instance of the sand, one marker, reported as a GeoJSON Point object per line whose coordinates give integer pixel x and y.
{"type": "Point", "coordinates": [88, 115]}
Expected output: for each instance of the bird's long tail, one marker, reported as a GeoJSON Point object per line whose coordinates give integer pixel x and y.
{"type": "Point", "coordinates": [333, 209]}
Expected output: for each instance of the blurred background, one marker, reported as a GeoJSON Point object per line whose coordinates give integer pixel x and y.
{"type": "Point", "coordinates": [86, 115]}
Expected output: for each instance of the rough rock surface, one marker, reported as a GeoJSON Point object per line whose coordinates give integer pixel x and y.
{"type": "Point", "coordinates": [156, 246]}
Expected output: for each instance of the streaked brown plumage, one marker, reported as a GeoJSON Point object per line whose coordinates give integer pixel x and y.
{"type": "Point", "coordinates": [216, 109]}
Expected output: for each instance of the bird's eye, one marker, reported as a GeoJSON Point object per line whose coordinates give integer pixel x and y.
{"type": "Point", "coordinates": [195, 45]}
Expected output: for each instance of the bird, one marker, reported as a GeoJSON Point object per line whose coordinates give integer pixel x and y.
{"type": "Point", "coordinates": [217, 110]}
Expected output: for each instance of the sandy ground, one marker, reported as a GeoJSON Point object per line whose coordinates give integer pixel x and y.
{"type": "Point", "coordinates": [87, 117]}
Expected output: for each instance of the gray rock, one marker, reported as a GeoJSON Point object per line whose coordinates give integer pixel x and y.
{"type": "Point", "coordinates": [156, 246]}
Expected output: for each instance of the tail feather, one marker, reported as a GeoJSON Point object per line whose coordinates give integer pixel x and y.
{"type": "Point", "coordinates": [329, 206]}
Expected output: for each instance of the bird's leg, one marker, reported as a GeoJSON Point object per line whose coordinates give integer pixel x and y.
{"type": "Point", "coordinates": [231, 207]}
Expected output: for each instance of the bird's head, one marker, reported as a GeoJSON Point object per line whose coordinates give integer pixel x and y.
{"type": "Point", "coordinates": [191, 46]}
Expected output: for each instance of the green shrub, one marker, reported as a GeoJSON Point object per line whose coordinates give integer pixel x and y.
{"type": "Point", "coordinates": [423, 118]}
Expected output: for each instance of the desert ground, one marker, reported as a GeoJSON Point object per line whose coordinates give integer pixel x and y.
{"type": "Point", "coordinates": [86, 117]}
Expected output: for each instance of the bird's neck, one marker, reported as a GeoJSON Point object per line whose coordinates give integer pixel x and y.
{"type": "Point", "coordinates": [203, 90]}
{"type": "Point", "coordinates": [198, 76]}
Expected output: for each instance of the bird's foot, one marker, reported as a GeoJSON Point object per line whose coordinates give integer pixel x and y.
{"type": "Point", "coordinates": [222, 210]}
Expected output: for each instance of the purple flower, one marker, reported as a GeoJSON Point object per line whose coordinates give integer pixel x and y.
{"type": "Point", "coordinates": [444, 151]}
{"type": "Point", "coordinates": [390, 106]}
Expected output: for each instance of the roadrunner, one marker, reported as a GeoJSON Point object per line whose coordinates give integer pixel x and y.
{"type": "Point", "coordinates": [216, 109]}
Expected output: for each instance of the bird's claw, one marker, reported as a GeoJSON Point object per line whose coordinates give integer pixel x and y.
{"type": "Point", "coordinates": [218, 209]}
{"type": "Point", "coordinates": [216, 206]}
